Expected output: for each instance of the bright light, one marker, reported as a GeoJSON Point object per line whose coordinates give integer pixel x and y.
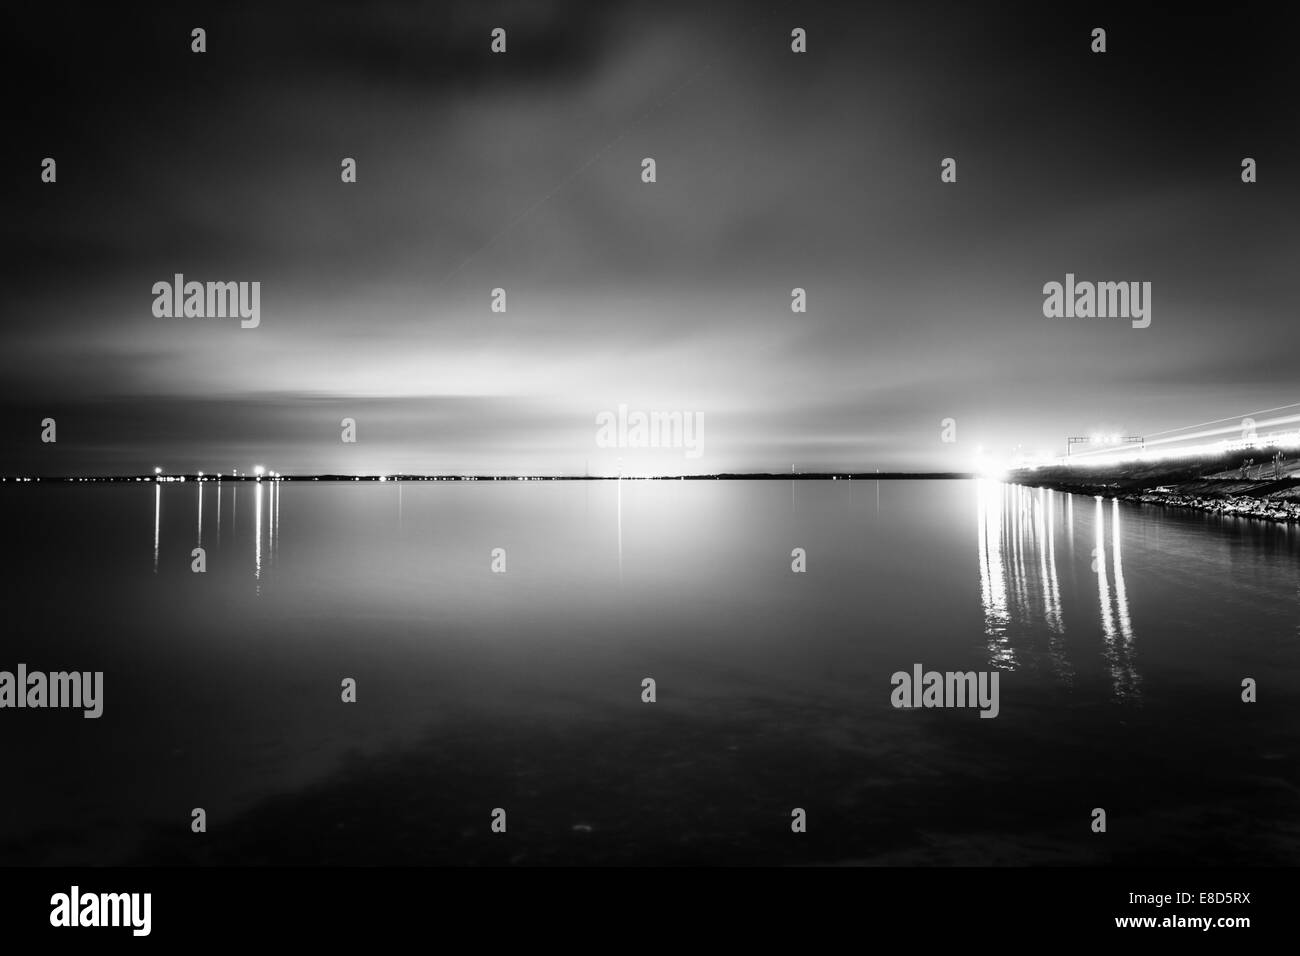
{"type": "Point", "coordinates": [157, 471]}
{"type": "Point", "coordinates": [258, 470]}
{"type": "Point", "coordinates": [987, 468]}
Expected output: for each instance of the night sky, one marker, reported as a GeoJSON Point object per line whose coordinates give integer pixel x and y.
{"type": "Point", "coordinates": [523, 171]}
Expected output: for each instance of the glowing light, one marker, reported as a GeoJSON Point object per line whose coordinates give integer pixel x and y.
{"type": "Point", "coordinates": [1226, 438]}
{"type": "Point", "coordinates": [985, 467]}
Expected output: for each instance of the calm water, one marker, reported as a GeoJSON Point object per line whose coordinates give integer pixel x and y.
{"type": "Point", "coordinates": [1122, 636]}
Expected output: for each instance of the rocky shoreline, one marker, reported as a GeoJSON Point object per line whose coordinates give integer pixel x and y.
{"type": "Point", "coordinates": [1266, 509]}
{"type": "Point", "coordinates": [1276, 506]}
{"type": "Point", "coordinates": [1262, 484]}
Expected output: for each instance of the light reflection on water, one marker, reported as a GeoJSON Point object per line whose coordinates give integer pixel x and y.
{"type": "Point", "coordinates": [1017, 537]}
{"type": "Point", "coordinates": [1017, 558]}
{"type": "Point", "coordinates": [157, 523]}
{"type": "Point", "coordinates": [1123, 669]}
{"type": "Point", "coordinates": [257, 535]}
{"type": "Point", "coordinates": [992, 531]}
{"type": "Point", "coordinates": [689, 582]}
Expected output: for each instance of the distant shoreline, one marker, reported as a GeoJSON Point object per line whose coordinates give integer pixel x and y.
{"type": "Point", "coordinates": [206, 479]}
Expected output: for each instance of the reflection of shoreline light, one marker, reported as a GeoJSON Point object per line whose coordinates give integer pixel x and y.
{"type": "Point", "coordinates": [273, 492]}
{"type": "Point", "coordinates": [1051, 550]}
{"type": "Point", "coordinates": [1057, 641]}
{"type": "Point", "coordinates": [1018, 551]}
{"type": "Point", "coordinates": [257, 518]}
{"type": "Point", "coordinates": [989, 496]}
{"type": "Point", "coordinates": [1043, 519]}
{"type": "Point", "coordinates": [157, 523]}
{"type": "Point", "coordinates": [1039, 536]}
{"type": "Point", "coordinates": [1069, 522]}
{"type": "Point", "coordinates": [275, 514]}
{"type": "Point", "coordinates": [266, 517]}
{"type": "Point", "coordinates": [1121, 596]}
{"type": "Point", "coordinates": [1019, 584]}
{"type": "Point", "coordinates": [1103, 583]}
{"type": "Point", "coordinates": [1118, 644]}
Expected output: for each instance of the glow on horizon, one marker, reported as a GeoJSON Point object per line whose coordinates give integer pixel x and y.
{"type": "Point", "coordinates": [986, 468]}
{"type": "Point", "coordinates": [1114, 454]}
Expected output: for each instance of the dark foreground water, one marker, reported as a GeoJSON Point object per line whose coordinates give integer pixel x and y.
{"type": "Point", "coordinates": [1121, 636]}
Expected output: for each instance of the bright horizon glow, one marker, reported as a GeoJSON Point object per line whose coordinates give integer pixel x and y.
{"type": "Point", "coordinates": [1275, 441]}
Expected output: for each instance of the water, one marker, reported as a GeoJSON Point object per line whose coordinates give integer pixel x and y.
{"type": "Point", "coordinates": [1121, 636]}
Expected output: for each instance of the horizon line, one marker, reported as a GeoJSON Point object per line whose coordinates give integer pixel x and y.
{"type": "Point", "coordinates": [407, 476]}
